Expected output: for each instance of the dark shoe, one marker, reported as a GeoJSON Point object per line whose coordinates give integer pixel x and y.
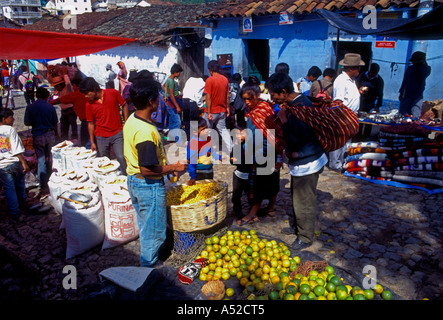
{"type": "Point", "coordinates": [288, 231]}
{"type": "Point", "coordinates": [298, 244]}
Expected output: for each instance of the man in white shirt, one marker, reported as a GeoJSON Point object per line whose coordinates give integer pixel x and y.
{"type": "Point", "coordinates": [345, 89]}
{"type": "Point", "coordinates": [192, 100]}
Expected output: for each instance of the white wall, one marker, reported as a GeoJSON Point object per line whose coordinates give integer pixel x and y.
{"type": "Point", "coordinates": [134, 56]}
{"type": "Point", "coordinates": [74, 6]}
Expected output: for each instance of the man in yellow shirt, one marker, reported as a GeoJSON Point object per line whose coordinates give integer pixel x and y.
{"type": "Point", "coordinates": [146, 166]}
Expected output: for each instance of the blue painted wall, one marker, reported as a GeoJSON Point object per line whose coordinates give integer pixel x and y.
{"type": "Point", "coordinates": [305, 43]}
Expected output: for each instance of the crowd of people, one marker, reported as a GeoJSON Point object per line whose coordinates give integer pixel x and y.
{"type": "Point", "coordinates": [246, 122]}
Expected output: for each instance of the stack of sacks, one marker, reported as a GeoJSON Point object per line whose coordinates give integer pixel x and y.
{"type": "Point", "coordinates": [62, 181]}
{"type": "Point", "coordinates": [78, 156]}
{"type": "Point", "coordinates": [370, 160]}
{"type": "Point", "coordinates": [56, 152]}
{"type": "Point", "coordinates": [103, 169]}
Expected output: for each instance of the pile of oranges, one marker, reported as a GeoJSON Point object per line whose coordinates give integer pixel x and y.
{"type": "Point", "coordinates": [257, 263]}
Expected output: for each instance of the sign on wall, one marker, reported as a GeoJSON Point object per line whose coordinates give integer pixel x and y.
{"type": "Point", "coordinates": [247, 24]}
{"type": "Point", "coordinates": [384, 42]}
{"type": "Point", "coordinates": [285, 18]}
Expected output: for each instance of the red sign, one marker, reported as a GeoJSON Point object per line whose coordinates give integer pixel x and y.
{"type": "Point", "coordinates": [385, 44]}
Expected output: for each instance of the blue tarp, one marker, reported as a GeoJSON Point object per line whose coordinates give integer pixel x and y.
{"type": "Point", "coordinates": [395, 184]}
{"type": "Point", "coordinates": [426, 27]}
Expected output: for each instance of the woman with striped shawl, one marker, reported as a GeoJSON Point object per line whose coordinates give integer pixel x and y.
{"type": "Point", "coordinates": [264, 149]}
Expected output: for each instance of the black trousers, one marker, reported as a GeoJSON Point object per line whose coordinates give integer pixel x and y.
{"type": "Point", "coordinates": [190, 112]}
{"type": "Point", "coordinates": [239, 187]}
{"type": "Point", "coordinates": [68, 119]}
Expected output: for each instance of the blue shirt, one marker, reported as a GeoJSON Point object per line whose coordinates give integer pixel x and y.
{"type": "Point", "coordinates": [41, 116]}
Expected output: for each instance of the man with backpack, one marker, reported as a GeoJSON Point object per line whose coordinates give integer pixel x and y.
{"type": "Point", "coordinates": [27, 85]}
{"type": "Point", "coordinates": [322, 88]}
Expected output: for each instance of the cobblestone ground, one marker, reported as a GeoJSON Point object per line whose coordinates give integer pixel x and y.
{"type": "Point", "coordinates": [396, 230]}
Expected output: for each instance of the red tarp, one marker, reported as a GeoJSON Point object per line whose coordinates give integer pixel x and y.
{"type": "Point", "coordinates": [30, 44]}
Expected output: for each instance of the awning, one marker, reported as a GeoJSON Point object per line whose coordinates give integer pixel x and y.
{"type": "Point", "coordinates": [427, 27]}
{"type": "Point", "coordinates": [31, 44]}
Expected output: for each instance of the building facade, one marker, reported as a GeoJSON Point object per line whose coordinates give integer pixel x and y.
{"type": "Point", "coordinates": [305, 40]}
{"type": "Point", "coordinates": [21, 11]}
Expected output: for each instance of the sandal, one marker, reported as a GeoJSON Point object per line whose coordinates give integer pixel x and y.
{"type": "Point", "coordinates": [271, 213]}
{"type": "Point", "coordinates": [247, 221]}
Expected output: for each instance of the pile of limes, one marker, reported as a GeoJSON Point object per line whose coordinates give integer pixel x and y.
{"type": "Point", "coordinates": [257, 263]}
{"type": "Point", "coordinates": [244, 255]}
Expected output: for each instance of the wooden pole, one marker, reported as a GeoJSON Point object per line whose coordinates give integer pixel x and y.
{"type": "Point", "coordinates": [336, 50]}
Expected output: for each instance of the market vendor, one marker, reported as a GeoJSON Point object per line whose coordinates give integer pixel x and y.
{"type": "Point", "coordinates": [146, 165]}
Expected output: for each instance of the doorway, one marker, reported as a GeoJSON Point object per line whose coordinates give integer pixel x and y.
{"type": "Point", "coordinates": [257, 55]}
{"type": "Point", "coordinates": [191, 47]}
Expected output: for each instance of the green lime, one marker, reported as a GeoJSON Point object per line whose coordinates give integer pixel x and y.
{"type": "Point", "coordinates": [319, 291]}
{"type": "Point", "coordinates": [359, 296]}
{"type": "Point", "coordinates": [369, 294]}
{"type": "Point", "coordinates": [273, 295]}
{"type": "Point", "coordinates": [330, 287]}
{"type": "Point", "coordinates": [303, 296]}
{"type": "Point", "coordinates": [386, 295]}
{"type": "Point", "coordinates": [305, 288]}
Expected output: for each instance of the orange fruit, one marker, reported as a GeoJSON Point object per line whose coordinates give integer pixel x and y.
{"type": "Point", "coordinates": [275, 279]}
{"type": "Point", "coordinates": [378, 289]}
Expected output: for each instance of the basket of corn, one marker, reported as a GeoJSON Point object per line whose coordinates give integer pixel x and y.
{"type": "Point", "coordinates": [197, 207]}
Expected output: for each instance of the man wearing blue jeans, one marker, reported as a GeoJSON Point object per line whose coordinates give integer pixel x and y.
{"type": "Point", "coordinates": [146, 165]}
{"type": "Point", "coordinates": [42, 117]}
{"type": "Point", "coordinates": [12, 165]}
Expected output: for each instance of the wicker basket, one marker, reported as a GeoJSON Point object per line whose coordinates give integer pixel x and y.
{"type": "Point", "coordinates": [201, 215]}
{"type": "Point", "coordinates": [214, 290]}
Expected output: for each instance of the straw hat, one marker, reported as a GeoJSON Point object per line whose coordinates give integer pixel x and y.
{"type": "Point", "coordinates": [57, 80]}
{"type": "Point", "coordinates": [352, 60]}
